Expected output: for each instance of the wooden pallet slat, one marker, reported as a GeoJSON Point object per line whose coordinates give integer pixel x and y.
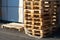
{"type": "Point", "coordinates": [18, 27]}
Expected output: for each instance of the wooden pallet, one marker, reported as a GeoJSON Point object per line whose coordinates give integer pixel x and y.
{"type": "Point", "coordinates": [37, 33]}
{"type": "Point", "coordinates": [32, 11]}
{"type": "Point", "coordinates": [16, 26]}
{"type": "Point", "coordinates": [32, 5]}
{"type": "Point", "coordinates": [33, 34]}
{"type": "Point", "coordinates": [28, 0]}
{"type": "Point", "coordinates": [33, 0]}
{"type": "Point", "coordinates": [28, 11]}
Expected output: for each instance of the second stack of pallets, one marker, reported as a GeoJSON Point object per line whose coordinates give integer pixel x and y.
{"type": "Point", "coordinates": [39, 17]}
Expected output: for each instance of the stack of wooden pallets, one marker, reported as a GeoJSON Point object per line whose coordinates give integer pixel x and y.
{"type": "Point", "coordinates": [40, 17]}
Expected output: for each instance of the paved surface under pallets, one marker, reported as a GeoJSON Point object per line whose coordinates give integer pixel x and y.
{"type": "Point", "coordinates": [7, 34]}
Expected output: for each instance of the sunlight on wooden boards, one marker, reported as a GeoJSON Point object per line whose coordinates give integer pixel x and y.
{"type": "Point", "coordinates": [17, 26]}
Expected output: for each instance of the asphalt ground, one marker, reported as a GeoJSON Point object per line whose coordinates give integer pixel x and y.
{"type": "Point", "coordinates": [8, 34]}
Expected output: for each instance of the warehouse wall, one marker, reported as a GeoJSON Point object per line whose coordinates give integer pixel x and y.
{"type": "Point", "coordinates": [0, 9]}
{"type": "Point", "coordinates": [4, 10]}
{"type": "Point", "coordinates": [12, 10]}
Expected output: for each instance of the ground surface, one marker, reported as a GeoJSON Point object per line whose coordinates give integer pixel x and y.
{"type": "Point", "coordinates": [7, 34]}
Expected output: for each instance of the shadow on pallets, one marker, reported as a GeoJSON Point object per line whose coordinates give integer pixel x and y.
{"type": "Point", "coordinates": [55, 34]}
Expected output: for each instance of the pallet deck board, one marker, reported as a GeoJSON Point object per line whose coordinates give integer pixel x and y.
{"type": "Point", "coordinates": [19, 27]}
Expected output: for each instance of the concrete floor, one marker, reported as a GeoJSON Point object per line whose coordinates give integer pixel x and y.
{"type": "Point", "coordinates": [7, 34]}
